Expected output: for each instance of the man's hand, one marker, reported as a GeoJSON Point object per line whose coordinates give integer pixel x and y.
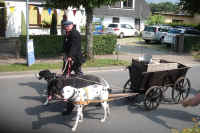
{"type": "Point", "coordinates": [69, 59]}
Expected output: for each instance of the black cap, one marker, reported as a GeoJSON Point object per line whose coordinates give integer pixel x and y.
{"type": "Point", "coordinates": [66, 23]}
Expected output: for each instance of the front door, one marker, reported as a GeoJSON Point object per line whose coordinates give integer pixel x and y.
{"type": "Point", "coordinates": [137, 24]}
{"type": "Point", "coordinates": [2, 20]}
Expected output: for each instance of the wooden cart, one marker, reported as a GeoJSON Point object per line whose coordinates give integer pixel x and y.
{"type": "Point", "coordinates": [152, 83]}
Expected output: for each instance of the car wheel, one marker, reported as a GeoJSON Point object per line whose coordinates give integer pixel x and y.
{"type": "Point", "coordinates": [147, 41]}
{"type": "Point", "coordinates": [162, 40]}
{"type": "Point", "coordinates": [136, 34]}
{"type": "Point", "coordinates": [121, 35]}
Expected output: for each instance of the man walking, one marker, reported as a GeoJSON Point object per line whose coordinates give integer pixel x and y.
{"type": "Point", "coordinates": [72, 49]}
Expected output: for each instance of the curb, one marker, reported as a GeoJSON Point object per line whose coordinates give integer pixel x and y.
{"type": "Point", "coordinates": [58, 71]}
{"type": "Point", "coordinates": [85, 70]}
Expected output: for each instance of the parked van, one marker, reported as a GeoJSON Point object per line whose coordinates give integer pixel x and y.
{"type": "Point", "coordinates": [122, 30]}
{"type": "Point", "coordinates": [154, 33]}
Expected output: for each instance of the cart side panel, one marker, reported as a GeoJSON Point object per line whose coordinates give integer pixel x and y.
{"type": "Point", "coordinates": [135, 70]}
{"type": "Point", "coordinates": [161, 78]}
{"type": "Point", "coordinates": [152, 79]}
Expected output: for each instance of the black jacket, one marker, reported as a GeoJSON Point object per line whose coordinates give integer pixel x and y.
{"type": "Point", "coordinates": [72, 45]}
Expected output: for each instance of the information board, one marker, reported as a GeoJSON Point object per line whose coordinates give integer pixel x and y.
{"type": "Point", "coordinates": [30, 52]}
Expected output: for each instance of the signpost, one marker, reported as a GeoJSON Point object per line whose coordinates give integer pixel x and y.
{"type": "Point", "coordinates": [30, 52]}
{"type": "Point", "coordinates": [30, 57]}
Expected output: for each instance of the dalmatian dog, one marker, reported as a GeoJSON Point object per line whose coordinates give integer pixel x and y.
{"type": "Point", "coordinates": [85, 94]}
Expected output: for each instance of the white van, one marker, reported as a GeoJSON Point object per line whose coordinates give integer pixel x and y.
{"type": "Point", "coordinates": [154, 33]}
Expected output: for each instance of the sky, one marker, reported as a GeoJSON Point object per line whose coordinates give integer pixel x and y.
{"type": "Point", "coordinates": [157, 1]}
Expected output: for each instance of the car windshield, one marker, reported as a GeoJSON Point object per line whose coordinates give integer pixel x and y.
{"type": "Point", "coordinates": [112, 25]}
{"type": "Point", "coordinates": [150, 29]}
{"type": "Point", "coordinates": [163, 30]}
{"type": "Point", "coordinates": [174, 31]}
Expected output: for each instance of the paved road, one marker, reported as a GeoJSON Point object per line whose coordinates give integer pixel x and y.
{"type": "Point", "coordinates": [22, 110]}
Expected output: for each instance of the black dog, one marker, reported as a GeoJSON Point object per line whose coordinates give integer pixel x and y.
{"type": "Point", "coordinates": [55, 84]}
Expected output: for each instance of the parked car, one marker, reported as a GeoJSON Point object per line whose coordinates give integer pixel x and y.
{"type": "Point", "coordinates": [122, 30]}
{"type": "Point", "coordinates": [170, 38]}
{"type": "Point", "coordinates": [192, 32]}
{"type": "Point", "coordinates": [154, 33]}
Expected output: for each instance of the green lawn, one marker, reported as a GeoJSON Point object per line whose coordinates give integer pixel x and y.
{"type": "Point", "coordinates": [40, 66]}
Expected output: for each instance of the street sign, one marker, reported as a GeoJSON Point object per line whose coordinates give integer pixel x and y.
{"type": "Point", "coordinates": [30, 52]}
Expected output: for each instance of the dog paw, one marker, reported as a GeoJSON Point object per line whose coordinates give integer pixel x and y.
{"type": "Point", "coordinates": [73, 129]}
{"type": "Point", "coordinates": [80, 121]}
{"type": "Point", "coordinates": [102, 120]}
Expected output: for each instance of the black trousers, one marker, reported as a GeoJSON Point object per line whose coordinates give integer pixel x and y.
{"type": "Point", "coordinates": [74, 66]}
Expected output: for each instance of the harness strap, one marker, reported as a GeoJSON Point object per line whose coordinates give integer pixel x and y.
{"type": "Point", "coordinates": [92, 101]}
{"type": "Point", "coordinates": [69, 68]}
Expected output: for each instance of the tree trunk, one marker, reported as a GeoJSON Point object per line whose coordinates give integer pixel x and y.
{"type": "Point", "coordinates": [89, 33]}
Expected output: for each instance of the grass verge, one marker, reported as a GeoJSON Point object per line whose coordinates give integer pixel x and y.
{"type": "Point", "coordinates": [40, 66]}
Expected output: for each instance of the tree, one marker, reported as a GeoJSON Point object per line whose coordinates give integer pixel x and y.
{"type": "Point", "coordinates": [89, 6]}
{"type": "Point", "coordinates": [163, 6]}
{"type": "Point", "coordinates": [191, 6]}
{"type": "Point", "coordinates": [155, 19]}
{"type": "Point", "coordinates": [53, 28]}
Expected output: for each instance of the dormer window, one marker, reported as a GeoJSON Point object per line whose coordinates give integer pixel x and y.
{"type": "Point", "coordinates": [128, 4]}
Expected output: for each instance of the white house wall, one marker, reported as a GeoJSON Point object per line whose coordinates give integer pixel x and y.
{"type": "Point", "coordinates": [79, 19]}
{"type": "Point", "coordinates": [125, 20]}
{"type": "Point", "coordinates": [13, 28]}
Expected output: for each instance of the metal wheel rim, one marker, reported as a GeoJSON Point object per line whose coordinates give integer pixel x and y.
{"type": "Point", "coordinates": [127, 85]}
{"type": "Point", "coordinates": [152, 98]}
{"type": "Point", "coordinates": [181, 89]}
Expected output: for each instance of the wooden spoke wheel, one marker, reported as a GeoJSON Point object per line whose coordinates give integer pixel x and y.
{"type": "Point", "coordinates": [152, 97]}
{"type": "Point", "coordinates": [181, 89]}
{"type": "Point", "coordinates": [127, 86]}
{"type": "Point", "coordinates": [166, 85]}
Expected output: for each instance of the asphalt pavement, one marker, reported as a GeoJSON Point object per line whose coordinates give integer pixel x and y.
{"type": "Point", "coordinates": [21, 98]}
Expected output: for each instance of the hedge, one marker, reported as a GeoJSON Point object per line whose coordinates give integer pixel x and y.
{"type": "Point", "coordinates": [51, 46]}
{"type": "Point", "coordinates": [191, 43]}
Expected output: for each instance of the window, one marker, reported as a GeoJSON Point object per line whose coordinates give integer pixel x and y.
{"type": "Point", "coordinates": [46, 17]}
{"type": "Point", "coordinates": [115, 20]}
{"type": "Point", "coordinates": [113, 25]}
{"type": "Point", "coordinates": [129, 26]}
{"type": "Point", "coordinates": [177, 21]}
{"type": "Point", "coordinates": [116, 5]}
{"type": "Point", "coordinates": [33, 16]}
{"type": "Point", "coordinates": [128, 4]}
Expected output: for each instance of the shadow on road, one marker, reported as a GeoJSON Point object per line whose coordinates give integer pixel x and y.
{"type": "Point", "coordinates": [51, 114]}
{"type": "Point", "coordinates": [158, 114]}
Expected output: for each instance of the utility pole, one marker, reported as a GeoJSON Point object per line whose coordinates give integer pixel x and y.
{"type": "Point", "coordinates": [27, 28]}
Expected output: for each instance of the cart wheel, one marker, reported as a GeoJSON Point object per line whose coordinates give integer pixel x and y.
{"type": "Point", "coordinates": [181, 89]}
{"type": "Point", "coordinates": [166, 85]}
{"type": "Point", "coordinates": [152, 97]}
{"type": "Point", "coordinates": [127, 86]}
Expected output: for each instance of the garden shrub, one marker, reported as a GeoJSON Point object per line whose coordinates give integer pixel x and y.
{"type": "Point", "coordinates": [52, 45]}
{"type": "Point", "coordinates": [191, 43]}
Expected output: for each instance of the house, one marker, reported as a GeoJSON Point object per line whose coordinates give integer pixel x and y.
{"type": "Point", "coordinates": [13, 13]}
{"type": "Point", "coordinates": [133, 12]}
{"type": "Point", "coordinates": [13, 16]}
{"type": "Point", "coordinates": [180, 17]}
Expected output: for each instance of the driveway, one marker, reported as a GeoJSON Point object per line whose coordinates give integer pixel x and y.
{"type": "Point", "coordinates": [135, 47]}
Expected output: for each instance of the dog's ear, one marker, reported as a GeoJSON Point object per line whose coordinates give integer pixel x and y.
{"type": "Point", "coordinates": [44, 74]}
